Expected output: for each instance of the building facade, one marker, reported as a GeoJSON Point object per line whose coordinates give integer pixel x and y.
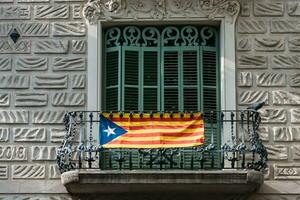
{"type": "Point", "coordinates": [50, 62]}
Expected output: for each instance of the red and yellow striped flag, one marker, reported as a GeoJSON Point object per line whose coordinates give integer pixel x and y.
{"type": "Point", "coordinates": [156, 131]}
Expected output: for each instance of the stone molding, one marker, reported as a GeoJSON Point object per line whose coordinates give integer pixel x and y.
{"type": "Point", "coordinates": [107, 10]}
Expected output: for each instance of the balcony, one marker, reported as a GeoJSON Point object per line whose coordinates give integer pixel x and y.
{"type": "Point", "coordinates": [232, 163]}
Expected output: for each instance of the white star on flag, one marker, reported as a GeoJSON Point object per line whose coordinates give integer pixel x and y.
{"type": "Point", "coordinates": [110, 131]}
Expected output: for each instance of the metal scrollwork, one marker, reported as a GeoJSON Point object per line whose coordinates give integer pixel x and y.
{"type": "Point", "coordinates": [189, 35]}
{"type": "Point", "coordinates": [170, 36]}
{"type": "Point", "coordinates": [112, 37]}
{"type": "Point", "coordinates": [150, 36]}
{"type": "Point", "coordinates": [206, 34]}
{"type": "Point", "coordinates": [131, 35]}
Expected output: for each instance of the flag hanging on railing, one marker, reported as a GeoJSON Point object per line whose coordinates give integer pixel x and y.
{"type": "Point", "coordinates": [151, 131]}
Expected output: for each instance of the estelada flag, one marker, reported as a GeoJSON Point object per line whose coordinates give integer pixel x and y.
{"type": "Point", "coordinates": [151, 131]}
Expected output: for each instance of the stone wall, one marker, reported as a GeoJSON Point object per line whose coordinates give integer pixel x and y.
{"type": "Point", "coordinates": [41, 75]}
{"type": "Point", "coordinates": [44, 73]}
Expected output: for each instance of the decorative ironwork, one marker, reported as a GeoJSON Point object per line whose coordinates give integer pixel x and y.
{"type": "Point", "coordinates": [95, 10]}
{"type": "Point", "coordinates": [244, 150]}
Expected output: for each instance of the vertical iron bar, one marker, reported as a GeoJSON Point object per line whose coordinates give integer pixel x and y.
{"type": "Point", "coordinates": [243, 138]}
{"type": "Point", "coordinates": [90, 140]}
{"type": "Point", "coordinates": [233, 140]}
{"type": "Point", "coordinates": [81, 140]}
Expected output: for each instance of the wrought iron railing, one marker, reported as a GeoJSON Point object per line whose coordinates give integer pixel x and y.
{"type": "Point", "coordinates": [238, 146]}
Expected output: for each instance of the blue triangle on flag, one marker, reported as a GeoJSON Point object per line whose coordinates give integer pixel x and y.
{"type": "Point", "coordinates": [109, 131]}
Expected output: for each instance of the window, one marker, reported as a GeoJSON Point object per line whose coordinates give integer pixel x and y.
{"type": "Point", "coordinates": [164, 68]}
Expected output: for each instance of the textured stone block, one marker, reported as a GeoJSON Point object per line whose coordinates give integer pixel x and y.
{"type": "Point", "coordinates": [268, 9]}
{"type": "Point", "coordinates": [286, 171]}
{"type": "Point", "coordinates": [14, 12]}
{"type": "Point", "coordinates": [43, 153]}
{"type": "Point", "coordinates": [294, 44]}
{"type": "Point", "coordinates": [57, 134]}
{"type": "Point", "coordinates": [14, 81]}
{"type": "Point", "coordinates": [78, 46]}
{"type": "Point", "coordinates": [244, 44]}
{"type": "Point", "coordinates": [51, 12]}
{"type": "Point", "coordinates": [277, 152]}
{"type": "Point", "coordinates": [21, 47]}
{"type": "Point", "coordinates": [251, 26]}
{"type": "Point", "coordinates": [282, 134]}
{"type": "Point", "coordinates": [296, 152]}
{"type": "Point", "coordinates": [252, 62]}
{"type": "Point", "coordinates": [13, 153]}
{"type": "Point", "coordinates": [34, 29]}
{"type": "Point", "coordinates": [273, 115]}
{"type": "Point", "coordinates": [50, 81]}
{"type": "Point", "coordinates": [271, 79]}
{"type": "Point", "coordinates": [249, 97]}
{"type": "Point", "coordinates": [4, 134]}
{"type": "Point", "coordinates": [78, 81]}
{"type": "Point", "coordinates": [54, 172]}
{"type": "Point", "coordinates": [51, 46]}
{"type": "Point", "coordinates": [5, 63]}
{"type": "Point", "coordinates": [69, 64]}
{"type": "Point", "coordinates": [3, 171]}
{"type": "Point", "coordinates": [5, 29]}
{"type": "Point", "coordinates": [31, 64]}
{"type": "Point", "coordinates": [4, 99]}
{"type": "Point", "coordinates": [263, 133]}
{"type": "Point", "coordinates": [294, 80]}
{"type": "Point", "coordinates": [28, 171]}
{"type": "Point", "coordinates": [48, 117]}
{"type": "Point", "coordinates": [295, 115]}
{"type": "Point", "coordinates": [13, 117]}
{"type": "Point", "coordinates": [77, 11]}
{"type": "Point", "coordinates": [286, 61]}
{"type": "Point", "coordinates": [282, 97]}
{"type": "Point", "coordinates": [68, 99]}
{"type": "Point", "coordinates": [69, 29]}
{"type": "Point", "coordinates": [245, 79]}
{"type": "Point", "coordinates": [33, 1]}
{"type": "Point", "coordinates": [31, 99]}
{"type": "Point", "coordinates": [285, 26]}
{"type": "Point", "coordinates": [29, 134]}
{"type": "Point", "coordinates": [269, 44]}
{"type": "Point", "coordinates": [294, 8]}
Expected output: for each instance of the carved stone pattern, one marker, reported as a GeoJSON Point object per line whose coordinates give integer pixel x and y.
{"type": "Point", "coordinates": [34, 134]}
{"type": "Point", "coordinates": [4, 99]}
{"type": "Point", "coordinates": [251, 26]}
{"type": "Point", "coordinates": [286, 61]}
{"type": "Point", "coordinates": [295, 115]}
{"type": "Point", "coordinates": [50, 81]}
{"type": "Point", "coordinates": [22, 46]}
{"type": "Point", "coordinates": [77, 11]}
{"type": "Point", "coordinates": [273, 116]}
{"type": "Point", "coordinates": [78, 46]}
{"type": "Point", "coordinates": [286, 172]}
{"type": "Point", "coordinates": [5, 63]}
{"type": "Point", "coordinates": [69, 64]}
{"type": "Point", "coordinates": [271, 79]}
{"type": "Point", "coordinates": [269, 44]}
{"type": "Point", "coordinates": [294, 44]}
{"type": "Point", "coordinates": [14, 12]}
{"type": "Point", "coordinates": [31, 63]}
{"type": "Point", "coordinates": [51, 12]}
{"type": "Point", "coordinates": [294, 8]}
{"type": "Point", "coordinates": [285, 26]}
{"type": "Point", "coordinates": [14, 81]}
{"type": "Point", "coordinates": [69, 29]}
{"type": "Point", "coordinates": [250, 97]}
{"type": "Point", "coordinates": [78, 81]}
{"type": "Point", "coordinates": [244, 44]}
{"type": "Point", "coordinates": [13, 117]}
{"type": "Point", "coordinates": [263, 133]}
{"type": "Point", "coordinates": [294, 80]}
{"type": "Point", "coordinates": [28, 172]}
{"type": "Point", "coordinates": [245, 79]}
{"type": "Point", "coordinates": [277, 152]}
{"type": "Point", "coordinates": [13, 153]}
{"type": "Point", "coordinates": [48, 117]}
{"type": "Point", "coordinates": [245, 9]}
{"type": "Point", "coordinates": [68, 99]}
{"type": "Point", "coordinates": [57, 134]}
{"type": "Point", "coordinates": [282, 97]}
{"type": "Point", "coordinates": [296, 152]}
{"type": "Point", "coordinates": [5, 29]}
{"type": "Point", "coordinates": [54, 172]}
{"type": "Point", "coordinates": [268, 9]}
{"type": "Point", "coordinates": [31, 99]}
{"type": "Point", "coordinates": [43, 153]}
{"type": "Point", "coordinates": [108, 9]}
{"type": "Point", "coordinates": [34, 29]}
{"type": "Point", "coordinates": [252, 62]}
{"type": "Point", "coordinates": [51, 46]}
{"type": "Point", "coordinates": [3, 172]}
{"type": "Point", "coordinates": [282, 134]}
{"type": "Point", "coordinates": [4, 134]}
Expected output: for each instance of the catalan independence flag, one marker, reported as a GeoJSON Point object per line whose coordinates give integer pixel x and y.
{"type": "Point", "coordinates": [151, 131]}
